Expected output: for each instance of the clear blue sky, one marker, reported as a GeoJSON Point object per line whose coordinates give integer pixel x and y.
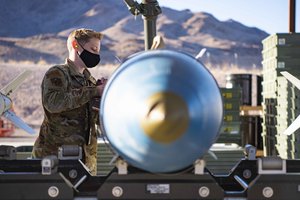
{"type": "Point", "coordinates": [268, 15]}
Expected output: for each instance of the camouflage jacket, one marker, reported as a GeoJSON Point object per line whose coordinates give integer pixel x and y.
{"type": "Point", "coordinates": [69, 119]}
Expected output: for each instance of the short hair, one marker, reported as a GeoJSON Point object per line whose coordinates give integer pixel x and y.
{"type": "Point", "coordinates": [83, 36]}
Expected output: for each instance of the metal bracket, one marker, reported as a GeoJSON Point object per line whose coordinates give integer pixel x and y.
{"type": "Point", "coordinates": [7, 152]}
{"type": "Point", "coordinates": [122, 167]}
{"type": "Point", "coordinates": [271, 165]}
{"type": "Point", "coordinates": [49, 165]}
{"type": "Point", "coordinates": [250, 152]}
{"type": "Point", "coordinates": [70, 184]}
{"type": "Point", "coordinates": [241, 182]}
{"type": "Point", "coordinates": [199, 166]}
{"type": "Point", "coordinates": [69, 152]}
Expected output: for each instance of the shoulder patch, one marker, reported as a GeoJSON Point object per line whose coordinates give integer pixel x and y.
{"type": "Point", "coordinates": [53, 73]}
{"type": "Point", "coordinates": [56, 82]}
{"type": "Point", "coordinates": [56, 76]}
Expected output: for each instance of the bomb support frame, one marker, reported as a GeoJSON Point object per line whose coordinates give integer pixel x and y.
{"type": "Point", "coordinates": [67, 178]}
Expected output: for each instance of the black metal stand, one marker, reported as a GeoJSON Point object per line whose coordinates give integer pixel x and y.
{"type": "Point", "coordinates": [150, 9]}
{"type": "Point", "coordinates": [263, 178]}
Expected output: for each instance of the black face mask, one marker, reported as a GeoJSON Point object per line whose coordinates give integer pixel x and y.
{"type": "Point", "coordinates": [89, 59]}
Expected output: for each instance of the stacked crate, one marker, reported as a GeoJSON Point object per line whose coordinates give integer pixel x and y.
{"type": "Point", "coordinates": [269, 130]}
{"type": "Point", "coordinates": [230, 130]}
{"type": "Point", "coordinates": [281, 52]}
{"type": "Point", "coordinates": [243, 91]}
{"type": "Point", "coordinates": [243, 81]}
{"type": "Point", "coordinates": [288, 108]}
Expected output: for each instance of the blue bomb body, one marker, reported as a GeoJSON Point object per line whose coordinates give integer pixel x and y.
{"type": "Point", "coordinates": [161, 110]}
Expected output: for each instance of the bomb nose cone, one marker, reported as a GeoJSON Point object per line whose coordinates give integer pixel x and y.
{"type": "Point", "coordinates": [161, 110]}
{"type": "Point", "coordinates": [166, 117]}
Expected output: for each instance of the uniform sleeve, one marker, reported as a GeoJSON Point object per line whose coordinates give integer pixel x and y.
{"type": "Point", "coordinates": [58, 97]}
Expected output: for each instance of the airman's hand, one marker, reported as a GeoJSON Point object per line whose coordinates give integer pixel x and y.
{"type": "Point", "coordinates": [100, 85]}
{"type": "Point", "coordinates": [100, 89]}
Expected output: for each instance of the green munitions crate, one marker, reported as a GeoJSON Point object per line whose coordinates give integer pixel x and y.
{"type": "Point", "coordinates": [281, 39]}
{"type": "Point", "coordinates": [228, 155]}
{"type": "Point", "coordinates": [291, 51]}
{"type": "Point", "coordinates": [105, 155]}
{"type": "Point", "coordinates": [269, 147]}
{"type": "Point", "coordinates": [231, 127]}
{"type": "Point", "coordinates": [280, 63]}
{"type": "Point", "coordinates": [230, 93]}
{"type": "Point", "coordinates": [230, 138]}
{"type": "Point", "coordinates": [231, 116]}
{"type": "Point", "coordinates": [232, 105]}
{"type": "Point", "coordinates": [281, 52]}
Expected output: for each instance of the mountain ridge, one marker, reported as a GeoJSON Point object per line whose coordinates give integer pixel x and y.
{"type": "Point", "coordinates": [45, 26]}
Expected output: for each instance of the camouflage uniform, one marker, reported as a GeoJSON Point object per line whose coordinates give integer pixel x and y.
{"type": "Point", "coordinates": [69, 119]}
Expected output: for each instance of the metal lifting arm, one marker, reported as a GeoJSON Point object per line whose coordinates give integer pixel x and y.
{"type": "Point", "coordinates": [150, 9]}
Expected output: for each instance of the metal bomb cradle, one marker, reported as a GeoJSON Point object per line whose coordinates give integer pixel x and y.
{"type": "Point", "coordinates": [174, 117]}
{"type": "Point", "coordinates": [64, 178]}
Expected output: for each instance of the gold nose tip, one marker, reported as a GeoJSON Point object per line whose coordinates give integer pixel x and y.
{"type": "Point", "coordinates": [158, 112]}
{"type": "Point", "coordinates": [165, 118]}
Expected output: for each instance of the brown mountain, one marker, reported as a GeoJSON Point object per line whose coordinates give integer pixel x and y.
{"type": "Point", "coordinates": [34, 30]}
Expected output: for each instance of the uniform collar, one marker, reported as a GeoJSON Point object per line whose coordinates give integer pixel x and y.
{"type": "Point", "coordinates": [86, 73]}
